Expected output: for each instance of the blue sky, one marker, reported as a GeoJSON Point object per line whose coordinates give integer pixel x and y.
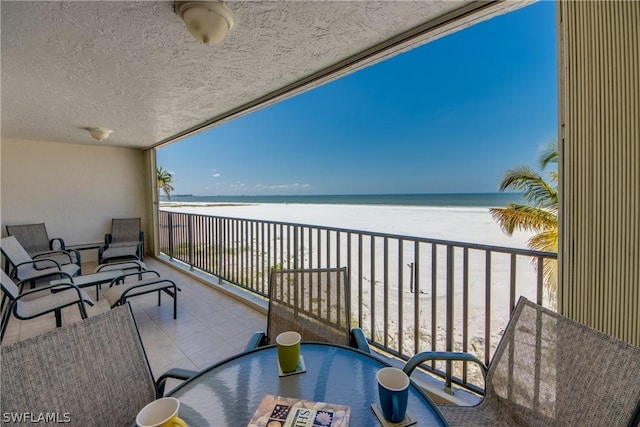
{"type": "Point", "coordinates": [448, 117]}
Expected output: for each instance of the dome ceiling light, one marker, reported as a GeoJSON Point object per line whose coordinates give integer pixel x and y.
{"type": "Point", "coordinates": [208, 22]}
{"type": "Point", "coordinates": [100, 133]}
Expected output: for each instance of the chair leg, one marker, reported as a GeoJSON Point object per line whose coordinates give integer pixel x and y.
{"type": "Point", "coordinates": [175, 302]}
{"type": "Point", "coordinates": [159, 297]}
{"type": "Point", "coordinates": [5, 321]}
{"type": "Point", "coordinates": [58, 318]}
{"type": "Point", "coordinates": [83, 310]}
{"type": "Point", "coordinates": [4, 299]}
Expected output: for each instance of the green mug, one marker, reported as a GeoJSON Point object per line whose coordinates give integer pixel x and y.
{"type": "Point", "coordinates": [288, 350]}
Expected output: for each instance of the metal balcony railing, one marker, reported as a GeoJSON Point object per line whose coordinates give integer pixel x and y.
{"type": "Point", "coordinates": [409, 294]}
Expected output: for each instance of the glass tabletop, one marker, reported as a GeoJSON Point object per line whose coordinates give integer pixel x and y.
{"type": "Point", "coordinates": [228, 393]}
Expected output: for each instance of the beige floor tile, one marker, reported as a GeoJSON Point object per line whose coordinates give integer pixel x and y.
{"type": "Point", "coordinates": [211, 355]}
{"type": "Point", "coordinates": [193, 343]}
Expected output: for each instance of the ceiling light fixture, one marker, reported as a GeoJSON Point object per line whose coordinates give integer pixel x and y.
{"type": "Point", "coordinates": [208, 21]}
{"type": "Point", "coordinates": [99, 133]}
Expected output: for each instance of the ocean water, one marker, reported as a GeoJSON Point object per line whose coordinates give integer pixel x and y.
{"type": "Point", "coordinates": [452, 199]}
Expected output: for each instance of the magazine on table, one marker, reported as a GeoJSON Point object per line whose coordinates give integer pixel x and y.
{"type": "Point", "coordinates": [278, 411]}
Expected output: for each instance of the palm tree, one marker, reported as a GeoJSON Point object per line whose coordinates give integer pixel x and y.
{"type": "Point", "coordinates": [540, 215]}
{"type": "Point", "coordinates": [164, 179]}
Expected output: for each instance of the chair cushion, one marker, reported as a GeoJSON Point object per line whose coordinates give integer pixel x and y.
{"type": "Point", "coordinates": [26, 309]}
{"type": "Point", "coordinates": [120, 251]}
{"type": "Point", "coordinates": [60, 258]}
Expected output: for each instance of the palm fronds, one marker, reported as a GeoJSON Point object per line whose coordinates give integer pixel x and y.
{"type": "Point", "coordinates": [533, 187]}
{"type": "Point", "coordinates": [524, 218]}
{"type": "Point", "coordinates": [539, 216]}
{"type": "Point", "coordinates": [164, 179]}
{"type": "Point", "coordinates": [549, 154]}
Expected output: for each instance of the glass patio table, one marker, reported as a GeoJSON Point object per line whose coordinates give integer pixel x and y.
{"type": "Point", "coordinates": [228, 393]}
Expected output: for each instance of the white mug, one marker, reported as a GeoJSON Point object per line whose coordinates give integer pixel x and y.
{"type": "Point", "coordinates": [162, 412]}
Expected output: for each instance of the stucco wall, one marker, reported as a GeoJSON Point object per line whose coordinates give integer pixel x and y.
{"type": "Point", "coordinates": [74, 189]}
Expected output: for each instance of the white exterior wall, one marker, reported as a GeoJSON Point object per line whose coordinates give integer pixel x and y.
{"type": "Point", "coordinates": [74, 189]}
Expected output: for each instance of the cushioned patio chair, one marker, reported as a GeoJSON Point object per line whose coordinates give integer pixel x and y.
{"type": "Point", "coordinates": [25, 268]}
{"type": "Point", "coordinates": [31, 304]}
{"type": "Point", "coordinates": [35, 240]}
{"type": "Point", "coordinates": [549, 370]}
{"type": "Point", "coordinates": [124, 242]}
{"type": "Point", "coordinates": [312, 302]}
{"type": "Point", "coordinates": [95, 371]}
{"type": "Point", "coordinates": [148, 281]}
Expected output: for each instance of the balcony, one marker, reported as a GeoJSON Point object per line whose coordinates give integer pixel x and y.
{"type": "Point", "coordinates": [598, 174]}
{"type": "Point", "coordinates": [456, 295]}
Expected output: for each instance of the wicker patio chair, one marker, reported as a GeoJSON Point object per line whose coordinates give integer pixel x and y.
{"type": "Point", "coordinates": [23, 267]}
{"type": "Point", "coordinates": [35, 240]}
{"type": "Point", "coordinates": [126, 241]}
{"type": "Point", "coordinates": [94, 371]}
{"type": "Point", "coordinates": [313, 302]}
{"type": "Point", "coordinates": [549, 370]}
{"type": "Point", "coordinates": [25, 305]}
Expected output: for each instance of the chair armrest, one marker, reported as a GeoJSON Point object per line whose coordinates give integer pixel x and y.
{"type": "Point", "coordinates": [14, 271]}
{"type": "Point", "coordinates": [34, 262]}
{"type": "Point", "coordinates": [60, 244]}
{"type": "Point", "coordinates": [127, 263]}
{"type": "Point", "coordinates": [443, 355]}
{"type": "Point", "coordinates": [53, 288]}
{"type": "Point", "coordinates": [258, 339]}
{"type": "Point", "coordinates": [78, 257]}
{"type": "Point", "coordinates": [136, 273]}
{"type": "Point", "coordinates": [635, 419]}
{"type": "Point", "coordinates": [43, 275]}
{"type": "Point", "coordinates": [358, 340]}
{"type": "Point", "coordinates": [175, 373]}
{"type": "Point", "coordinates": [56, 252]}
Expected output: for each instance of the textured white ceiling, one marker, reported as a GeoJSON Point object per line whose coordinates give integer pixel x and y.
{"type": "Point", "coordinates": [132, 66]}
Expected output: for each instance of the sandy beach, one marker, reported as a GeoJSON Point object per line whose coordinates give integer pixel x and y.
{"type": "Point", "coordinates": [471, 225]}
{"type": "Point", "coordinates": [460, 224]}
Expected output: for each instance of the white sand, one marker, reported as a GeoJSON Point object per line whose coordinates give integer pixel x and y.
{"type": "Point", "coordinates": [471, 225]}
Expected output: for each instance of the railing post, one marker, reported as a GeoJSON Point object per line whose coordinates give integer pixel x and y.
{"type": "Point", "coordinates": [170, 231]}
{"type": "Point", "coordinates": [540, 281]}
{"type": "Point", "coordinates": [220, 244]}
{"type": "Point", "coordinates": [295, 247]}
{"type": "Point", "coordinates": [449, 343]}
{"type": "Point", "coordinates": [190, 239]}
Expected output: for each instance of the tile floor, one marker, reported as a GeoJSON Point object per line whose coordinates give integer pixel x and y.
{"type": "Point", "coordinates": [210, 327]}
